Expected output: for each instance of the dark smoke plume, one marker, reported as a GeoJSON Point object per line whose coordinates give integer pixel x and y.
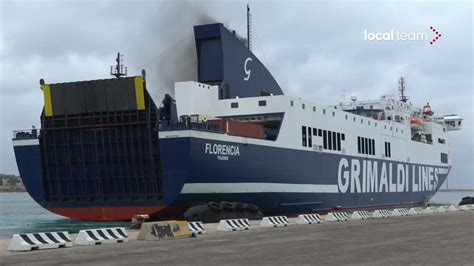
{"type": "Point", "coordinates": [167, 50]}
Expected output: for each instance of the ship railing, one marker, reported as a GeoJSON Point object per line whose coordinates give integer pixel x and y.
{"type": "Point", "coordinates": [26, 134]}
{"type": "Point", "coordinates": [167, 126]}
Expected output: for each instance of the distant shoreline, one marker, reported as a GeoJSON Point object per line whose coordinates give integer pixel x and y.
{"type": "Point", "coordinates": [12, 190]}
{"type": "Point", "coordinates": [456, 189]}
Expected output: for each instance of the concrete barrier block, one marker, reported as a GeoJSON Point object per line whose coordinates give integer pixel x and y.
{"type": "Point", "coordinates": [330, 217]}
{"type": "Point", "coordinates": [91, 237]}
{"type": "Point", "coordinates": [308, 219]}
{"type": "Point", "coordinates": [399, 212]}
{"type": "Point", "coordinates": [428, 210]}
{"type": "Point", "coordinates": [336, 217]}
{"type": "Point", "coordinates": [164, 230]}
{"type": "Point", "coordinates": [360, 215]}
{"type": "Point", "coordinates": [233, 225]}
{"type": "Point", "coordinates": [413, 211]}
{"type": "Point", "coordinates": [196, 228]}
{"type": "Point", "coordinates": [440, 209]}
{"type": "Point", "coordinates": [274, 221]}
{"type": "Point", "coordinates": [35, 241]}
{"type": "Point", "coordinates": [463, 208]}
{"type": "Point", "coordinates": [419, 210]}
{"type": "Point", "coordinates": [381, 214]}
{"type": "Point", "coordinates": [452, 208]}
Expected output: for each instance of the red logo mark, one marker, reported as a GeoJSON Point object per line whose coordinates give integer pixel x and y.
{"type": "Point", "coordinates": [438, 35]}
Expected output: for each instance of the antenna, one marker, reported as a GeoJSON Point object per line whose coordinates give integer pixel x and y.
{"type": "Point", "coordinates": [249, 28]}
{"type": "Point", "coordinates": [119, 69]}
{"type": "Point", "coordinates": [401, 90]}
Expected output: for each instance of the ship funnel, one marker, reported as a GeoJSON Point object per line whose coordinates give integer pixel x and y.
{"type": "Point", "coordinates": [226, 61]}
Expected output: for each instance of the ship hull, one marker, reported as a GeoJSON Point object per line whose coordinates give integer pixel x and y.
{"type": "Point", "coordinates": [278, 180]}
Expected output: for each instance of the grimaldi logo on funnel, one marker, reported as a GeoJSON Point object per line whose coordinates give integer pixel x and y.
{"type": "Point", "coordinates": [396, 35]}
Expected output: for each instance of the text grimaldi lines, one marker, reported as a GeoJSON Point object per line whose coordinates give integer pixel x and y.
{"type": "Point", "coordinates": [366, 176]}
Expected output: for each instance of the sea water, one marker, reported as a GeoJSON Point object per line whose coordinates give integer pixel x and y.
{"type": "Point", "coordinates": [20, 214]}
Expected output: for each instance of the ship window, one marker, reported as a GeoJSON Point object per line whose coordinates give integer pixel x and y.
{"type": "Point", "coordinates": [385, 126]}
{"type": "Point", "coordinates": [234, 105]}
{"type": "Point", "coordinates": [324, 111]}
{"type": "Point", "coordinates": [325, 139]}
{"type": "Point", "coordinates": [354, 119]}
{"type": "Point", "coordinates": [262, 103]}
{"type": "Point", "coordinates": [362, 121]}
{"type": "Point", "coordinates": [303, 135]}
{"type": "Point", "coordinates": [368, 122]}
{"type": "Point", "coordinates": [320, 132]}
{"type": "Point", "coordinates": [310, 141]}
{"type": "Point", "coordinates": [291, 103]}
{"type": "Point", "coordinates": [373, 147]}
{"type": "Point", "coordinates": [387, 149]}
{"type": "Point", "coordinates": [333, 113]}
{"type": "Point", "coordinates": [366, 146]}
{"type": "Point", "coordinates": [375, 124]}
{"type": "Point", "coordinates": [302, 106]}
{"type": "Point", "coordinates": [314, 108]}
{"type": "Point", "coordinates": [442, 141]}
{"type": "Point", "coordinates": [338, 141]}
{"type": "Point", "coordinates": [343, 136]}
{"type": "Point", "coordinates": [334, 141]}
{"type": "Point", "coordinates": [444, 157]}
{"type": "Point", "coordinates": [370, 146]}
{"type": "Point", "coordinates": [359, 145]}
{"type": "Point", "coordinates": [347, 117]}
{"type": "Point", "coordinates": [315, 132]}
{"type": "Point", "coordinates": [330, 140]}
{"type": "Point", "coordinates": [396, 130]}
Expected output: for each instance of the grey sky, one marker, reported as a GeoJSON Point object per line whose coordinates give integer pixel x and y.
{"type": "Point", "coordinates": [315, 50]}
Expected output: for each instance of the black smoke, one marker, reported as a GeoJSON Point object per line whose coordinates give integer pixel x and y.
{"type": "Point", "coordinates": [166, 49]}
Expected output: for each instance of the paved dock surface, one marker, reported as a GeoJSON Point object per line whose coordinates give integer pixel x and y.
{"type": "Point", "coordinates": [441, 239]}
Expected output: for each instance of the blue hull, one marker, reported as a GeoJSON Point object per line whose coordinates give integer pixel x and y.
{"type": "Point", "coordinates": [192, 161]}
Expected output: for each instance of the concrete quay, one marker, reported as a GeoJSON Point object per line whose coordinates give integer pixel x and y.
{"type": "Point", "coordinates": [435, 239]}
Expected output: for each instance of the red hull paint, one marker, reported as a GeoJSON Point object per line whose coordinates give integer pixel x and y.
{"type": "Point", "coordinates": [123, 213]}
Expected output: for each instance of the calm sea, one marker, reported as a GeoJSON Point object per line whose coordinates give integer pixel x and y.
{"type": "Point", "coordinates": [20, 214]}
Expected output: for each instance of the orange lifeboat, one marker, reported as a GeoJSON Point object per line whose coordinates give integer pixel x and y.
{"type": "Point", "coordinates": [416, 124]}
{"type": "Point", "coordinates": [427, 110]}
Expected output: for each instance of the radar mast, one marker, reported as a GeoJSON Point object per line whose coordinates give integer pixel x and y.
{"type": "Point", "coordinates": [119, 70]}
{"type": "Point", "coordinates": [401, 90]}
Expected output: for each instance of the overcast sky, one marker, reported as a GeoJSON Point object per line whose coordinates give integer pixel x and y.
{"type": "Point", "coordinates": [315, 50]}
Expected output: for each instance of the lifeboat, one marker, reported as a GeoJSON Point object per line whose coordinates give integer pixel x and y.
{"type": "Point", "coordinates": [427, 110]}
{"type": "Point", "coordinates": [416, 124]}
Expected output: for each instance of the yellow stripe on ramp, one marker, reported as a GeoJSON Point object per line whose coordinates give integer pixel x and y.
{"type": "Point", "coordinates": [140, 93]}
{"type": "Point", "coordinates": [48, 105]}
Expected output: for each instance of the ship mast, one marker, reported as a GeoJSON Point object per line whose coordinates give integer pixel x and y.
{"type": "Point", "coordinates": [119, 70]}
{"type": "Point", "coordinates": [401, 89]}
{"type": "Point", "coordinates": [249, 28]}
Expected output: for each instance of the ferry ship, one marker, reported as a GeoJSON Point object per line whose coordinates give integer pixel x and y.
{"type": "Point", "coordinates": [230, 141]}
